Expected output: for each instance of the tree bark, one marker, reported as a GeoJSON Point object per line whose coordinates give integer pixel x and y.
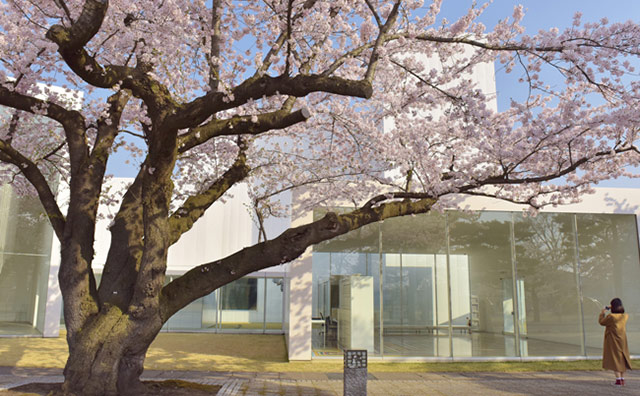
{"type": "Point", "coordinates": [106, 357]}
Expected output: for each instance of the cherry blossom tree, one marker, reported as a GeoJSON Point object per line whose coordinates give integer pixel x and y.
{"type": "Point", "coordinates": [333, 97]}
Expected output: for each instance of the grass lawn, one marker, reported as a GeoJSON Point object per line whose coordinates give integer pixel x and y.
{"type": "Point", "coordinates": [247, 352]}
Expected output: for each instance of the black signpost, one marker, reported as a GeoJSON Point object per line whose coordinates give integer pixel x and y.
{"type": "Point", "coordinates": [355, 373]}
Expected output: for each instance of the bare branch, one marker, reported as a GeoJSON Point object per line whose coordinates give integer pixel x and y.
{"type": "Point", "coordinates": [570, 168]}
{"type": "Point", "coordinates": [453, 98]}
{"type": "Point", "coordinates": [54, 151]}
{"type": "Point", "coordinates": [348, 55]}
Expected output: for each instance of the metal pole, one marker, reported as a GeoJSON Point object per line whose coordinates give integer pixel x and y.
{"type": "Point", "coordinates": [264, 306]}
{"type": "Point", "coordinates": [381, 294]}
{"type": "Point", "coordinates": [449, 285]}
{"type": "Point", "coordinates": [435, 287]}
{"type": "Point", "coordinates": [576, 270]}
{"type": "Point", "coordinates": [514, 285]}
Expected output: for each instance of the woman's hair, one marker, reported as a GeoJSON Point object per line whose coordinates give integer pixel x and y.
{"type": "Point", "coordinates": [616, 306]}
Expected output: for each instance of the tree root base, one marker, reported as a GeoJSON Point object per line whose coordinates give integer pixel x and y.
{"type": "Point", "coordinates": [154, 388]}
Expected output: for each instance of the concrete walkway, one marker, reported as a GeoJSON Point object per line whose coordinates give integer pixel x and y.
{"type": "Point", "coordinates": [583, 383]}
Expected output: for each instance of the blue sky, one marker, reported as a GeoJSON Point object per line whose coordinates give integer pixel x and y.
{"type": "Point", "coordinates": [540, 14]}
{"type": "Point", "coordinates": [543, 15]}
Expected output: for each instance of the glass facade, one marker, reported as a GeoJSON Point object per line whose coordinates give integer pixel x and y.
{"type": "Point", "coordinates": [248, 305]}
{"type": "Point", "coordinates": [481, 284]}
{"type": "Point", "coordinates": [25, 252]}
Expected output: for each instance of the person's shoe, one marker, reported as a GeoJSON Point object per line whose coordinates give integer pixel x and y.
{"type": "Point", "coordinates": [622, 381]}
{"type": "Point", "coordinates": [618, 382]}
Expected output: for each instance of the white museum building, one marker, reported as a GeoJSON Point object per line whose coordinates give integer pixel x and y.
{"type": "Point", "coordinates": [483, 283]}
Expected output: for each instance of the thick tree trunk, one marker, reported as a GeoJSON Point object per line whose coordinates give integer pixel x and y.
{"type": "Point", "coordinates": [106, 358]}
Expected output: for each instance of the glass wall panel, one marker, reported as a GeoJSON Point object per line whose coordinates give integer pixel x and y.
{"type": "Point", "coordinates": [247, 305]}
{"type": "Point", "coordinates": [481, 271]}
{"type": "Point", "coordinates": [25, 253]}
{"type": "Point", "coordinates": [210, 316]}
{"type": "Point", "coordinates": [240, 307]}
{"type": "Point", "coordinates": [609, 267]}
{"type": "Point", "coordinates": [337, 263]}
{"type": "Point", "coordinates": [549, 302]}
{"type": "Point", "coordinates": [415, 297]}
{"type": "Point", "coordinates": [189, 318]}
{"type": "Point", "coordinates": [274, 300]}
{"type": "Point", "coordinates": [455, 293]}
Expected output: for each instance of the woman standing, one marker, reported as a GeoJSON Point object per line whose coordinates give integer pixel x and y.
{"type": "Point", "coordinates": [615, 354]}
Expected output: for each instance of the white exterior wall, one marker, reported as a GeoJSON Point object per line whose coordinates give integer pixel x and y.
{"type": "Point", "coordinates": [224, 229]}
{"type": "Point", "coordinates": [483, 74]}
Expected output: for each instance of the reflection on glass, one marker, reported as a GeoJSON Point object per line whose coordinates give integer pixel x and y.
{"type": "Point", "coordinates": [340, 261]}
{"type": "Point", "coordinates": [240, 307]}
{"type": "Point", "coordinates": [249, 304]}
{"type": "Point", "coordinates": [273, 303]}
{"type": "Point", "coordinates": [241, 294]}
{"type": "Point", "coordinates": [210, 311]}
{"type": "Point", "coordinates": [25, 249]}
{"type": "Point", "coordinates": [188, 318]}
{"type": "Point", "coordinates": [481, 284]}
{"type": "Point", "coordinates": [608, 250]}
{"type": "Point", "coordinates": [550, 319]}
{"type": "Point", "coordinates": [415, 296]}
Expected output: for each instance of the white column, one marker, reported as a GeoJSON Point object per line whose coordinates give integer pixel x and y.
{"type": "Point", "coordinates": [54, 297]}
{"type": "Point", "coordinates": [300, 303]}
{"type": "Point", "coordinates": [300, 277]}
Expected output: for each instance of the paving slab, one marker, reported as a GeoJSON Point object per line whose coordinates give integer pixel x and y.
{"type": "Point", "coordinates": [580, 383]}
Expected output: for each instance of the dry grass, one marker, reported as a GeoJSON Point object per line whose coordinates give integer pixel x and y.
{"type": "Point", "coordinates": [243, 352]}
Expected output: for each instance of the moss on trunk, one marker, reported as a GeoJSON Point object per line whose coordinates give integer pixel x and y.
{"type": "Point", "coordinates": [106, 357]}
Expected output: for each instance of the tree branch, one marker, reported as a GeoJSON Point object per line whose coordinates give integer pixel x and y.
{"type": "Point", "coordinates": [71, 121]}
{"type": "Point", "coordinates": [205, 278]}
{"type": "Point", "coordinates": [108, 128]}
{"type": "Point", "coordinates": [63, 6]}
{"type": "Point", "coordinates": [214, 59]}
{"type": "Point", "coordinates": [277, 45]}
{"type": "Point", "coordinates": [504, 179]}
{"type": "Point", "coordinates": [71, 42]}
{"type": "Point", "coordinates": [36, 178]}
{"type": "Point", "coordinates": [241, 125]}
{"type": "Point", "coordinates": [375, 56]}
{"type": "Point", "coordinates": [195, 206]}
{"type": "Point", "coordinates": [374, 13]}
{"type": "Point", "coordinates": [196, 112]}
